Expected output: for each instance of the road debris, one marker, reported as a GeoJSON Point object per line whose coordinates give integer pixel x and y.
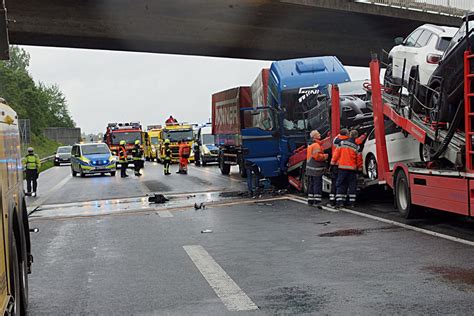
{"type": "Point", "coordinates": [206, 231]}
{"type": "Point", "coordinates": [158, 199]}
{"type": "Point", "coordinates": [199, 206]}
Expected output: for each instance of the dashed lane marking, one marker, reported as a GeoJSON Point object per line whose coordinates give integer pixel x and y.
{"type": "Point", "coordinates": [164, 214]}
{"type": "Point", "coordinates": [226, 289]}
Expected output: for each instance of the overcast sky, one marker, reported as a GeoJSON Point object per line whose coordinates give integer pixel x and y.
{"type": "Point", "coordinates": [108, 86]}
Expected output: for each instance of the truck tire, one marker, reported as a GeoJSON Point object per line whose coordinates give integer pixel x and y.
{"type": "Point", "coordinates": [15, 278]}
{"type": "Point", "coordinates": [242, 170]}
{"type": "Point", "coordinates": [403, 197]}
{"type": "Point", "coordinates": [225, 169]}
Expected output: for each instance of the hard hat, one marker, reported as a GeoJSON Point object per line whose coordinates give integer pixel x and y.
{"type": "Point", "coordinates": [122, 142]}
{"type": "Point", "coordinates": [137, 142]}
{"type": "Point", "coordinates": [30, 149]}
{"type": "Point", "coordinates": [167, 141]}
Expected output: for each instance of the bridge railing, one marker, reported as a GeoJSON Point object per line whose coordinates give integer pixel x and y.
{"type": "Point", "coordinates": [445, 7]}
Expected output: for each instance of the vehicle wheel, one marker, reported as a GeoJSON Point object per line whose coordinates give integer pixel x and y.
{"type": "Point", "coordinates": [203, 163]}
{"type": "Point", "coordinates": [413, 89]}
{"type": "Point", "coordinates": [83, 175]}
{"type": "Point", "coordinates": [403, 196]}
{"type": "Point", "coordinates": [74, 173]}
{"type": "Point", "coordinates": [443, 109]}
{"type": "Point", "coordinates": [112, 174]}
{"type": "Point", "coordinates": [15, 278]}
{"type": "Point", "coordinates": [56, 163]}
{"type": "Point", "coordinates": [388, 79]}
{"type": "Point", "coordinates": [24, 281]}
{"type": "Point", "coordinates": [242, 170]}
{"type": "Point", "coordinates": [371, 167]}
{"type": "Point", "coordinates": [425, 152]}
{"type": "Point", "coordinates": [225, 169]}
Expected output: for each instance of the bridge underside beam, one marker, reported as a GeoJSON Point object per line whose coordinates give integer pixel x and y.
{"type": "Point", "coordinates": [253, 29]}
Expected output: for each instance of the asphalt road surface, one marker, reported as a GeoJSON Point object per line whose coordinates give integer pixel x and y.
{"type": "Point", "coordinates": [103, 249]}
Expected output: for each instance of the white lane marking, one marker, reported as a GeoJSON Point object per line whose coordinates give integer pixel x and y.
{"type": "Point", "coordinates": [45, 196]}
{"type": "Point", "coordinates": [226, 289]}
{"type": "Point", "coordinates": [164, 214]}
{"type": "Point", "coordinates": [417, 229]}
{"type": "Point", "coordinates": [305, 201]}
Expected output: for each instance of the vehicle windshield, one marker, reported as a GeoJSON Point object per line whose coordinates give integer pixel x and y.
{"type": "Point", "coordinates": [296, 105]}
{"type": "Point", "coordinates": [208, 139]}
{"type": "Point", "coordinates": [154, 140]}
{"type": "Point", "coordinates": [94, 149]}
{"type": "Point", "coordinates": [260, 118]}
{"type": "Point", "coordinates": [461, 33]}
{"type": "Point", "coordinates": [64, 150]}
{"type": "Point", "coordinates": [178, 135]}
{"type": "Point", "coordinates": [128, 137]}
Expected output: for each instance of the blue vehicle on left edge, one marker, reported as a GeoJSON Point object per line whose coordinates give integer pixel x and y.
{"type": "Point", "coordinates": [92, 158]}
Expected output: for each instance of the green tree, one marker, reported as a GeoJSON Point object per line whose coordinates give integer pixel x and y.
{"type": "Point", "coordinates": [44, 105]}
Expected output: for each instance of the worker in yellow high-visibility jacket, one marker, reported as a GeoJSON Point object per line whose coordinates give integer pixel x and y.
{"type": "Point", "coordinates": [31, 164]}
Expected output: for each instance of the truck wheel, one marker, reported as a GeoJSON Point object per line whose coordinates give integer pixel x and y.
{"type": "Point", "coordinates": [403, 197]}
{"type": "Point", "coordinates": [242, 170]}
{"type": "Point", "coordinates": [225, 169]}
{"type": "Point", "coordinates": [15, 278]}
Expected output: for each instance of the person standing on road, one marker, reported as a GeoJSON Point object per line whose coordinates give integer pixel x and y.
{"type": "Point", "coordinates": [167, 160]}
{"type": "Point", "coordinates": [349, 161]}
{"type": "Point", "coordinates": [123, 159]}
{"type": "Point", "coordinates": [137, 154]}
{"type": "Point", "coordinates": [315, 166]}
{"type": "Point", "coordinates": [197, 153]}
{"type": "Point", "coordinates": [184, 153]}
{"type": "Point", "coordinates": [32, 164]}
{"type": "Point", "coordinates": [343, 135]}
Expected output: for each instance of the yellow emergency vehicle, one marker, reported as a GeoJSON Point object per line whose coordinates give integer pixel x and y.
{"type": "Point", "coordinates": [151, 143]}
{"type": "Point", "coordinates": [175, 132]}
{"type": "Point", "coordinates": [15, 247]}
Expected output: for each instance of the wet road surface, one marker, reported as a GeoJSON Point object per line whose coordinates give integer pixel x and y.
{"type": "Point", "coordinates": [272, 255]}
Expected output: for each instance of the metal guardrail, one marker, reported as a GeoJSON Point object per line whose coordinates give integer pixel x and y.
{"type": "Point", "coordinates": [48, 158]}
{"type": "Point", "coordinates": [444, 7]}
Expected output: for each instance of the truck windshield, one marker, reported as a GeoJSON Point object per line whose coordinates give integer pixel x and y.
{"type": "Point", "coordinates": [260, 118]}
{"type": "Point", "coordinates": [128, 137]}
{"type": "Point", "coordinates": [95, 149]}
{"type": "Point", "coordinates": [295, 105]}
{"type": "Point", "coordinates": [208, 139]}
{"type": "Point", "coordinates": [175, 136]}
{"type": "Point", "coordinates": [154, 140]}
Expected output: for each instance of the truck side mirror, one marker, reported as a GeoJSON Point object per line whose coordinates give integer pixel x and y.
{"type": "Point", "coordinates": [399, 40]}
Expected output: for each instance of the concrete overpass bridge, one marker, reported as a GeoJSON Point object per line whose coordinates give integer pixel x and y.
{"type": "Point", "coordinates": [254, 29]}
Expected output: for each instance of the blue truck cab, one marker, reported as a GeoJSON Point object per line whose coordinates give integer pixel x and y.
{"type": "Point", "coordinates": [293, 89]}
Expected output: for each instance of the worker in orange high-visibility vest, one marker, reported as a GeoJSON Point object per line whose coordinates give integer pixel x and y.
{"type": "Point", "coordinates": [315, 167]}
{"type": "Point", "coordinates": [184, 153]}
{"type": "Point", "coordinates": [349, 161]}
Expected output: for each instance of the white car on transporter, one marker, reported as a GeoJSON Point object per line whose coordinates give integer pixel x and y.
{"type": "Point", "coordinates": [422, 50]}
{"type": "Point", "coordinates": [400, 148]}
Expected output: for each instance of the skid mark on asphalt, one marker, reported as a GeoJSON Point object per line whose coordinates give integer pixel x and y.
{"type": "Point", "coordinates": [225, 288]}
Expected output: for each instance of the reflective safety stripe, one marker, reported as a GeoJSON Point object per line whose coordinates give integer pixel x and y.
{"type": "Point", "coordinates": [340, 197]}
{"type": "Point", "coordinates": [332, 197]}
{"type": "Point", "coordinates": [315, 168]}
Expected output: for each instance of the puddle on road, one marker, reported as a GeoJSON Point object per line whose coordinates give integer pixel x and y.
{"type": "Point", "coordinates": [295, 300]}
{"type": "Point", "coordinates": [106, 207]}
{"type": "Point", "coordinates": [357, 232]}
{"type": "Point", "coordinates": [454, 275]}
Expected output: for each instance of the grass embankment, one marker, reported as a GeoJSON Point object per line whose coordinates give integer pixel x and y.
{"type": "Point", "coordinates": [44, 147]}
